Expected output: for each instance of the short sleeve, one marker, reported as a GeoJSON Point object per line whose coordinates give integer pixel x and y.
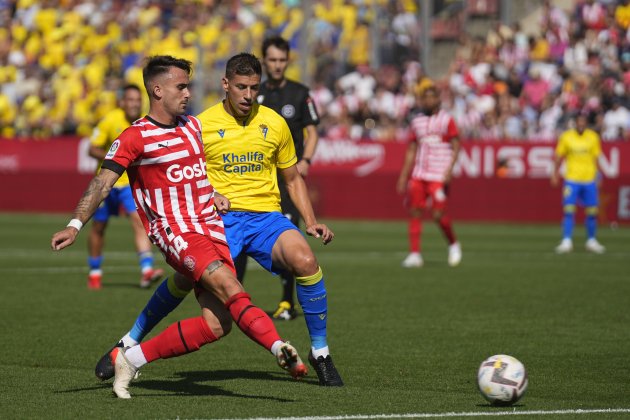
{"type": "Point", "coordinates": [452, 130]}
{"type": "Point", "coordinates": [99, 135]}
{"type": "Point", "coordinates": [126, 149]}
{"type": "Point", "coordinates": [311, 117]}
{"type": "Point", "coordinates": [286, 149]}
{"type": "Point", "coordinates": [597, 145]}
{"type": "Point", "coordinates": [561, 147]}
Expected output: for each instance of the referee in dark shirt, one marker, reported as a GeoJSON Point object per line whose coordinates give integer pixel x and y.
{"type": "Point", "coordinates": [291, 100]}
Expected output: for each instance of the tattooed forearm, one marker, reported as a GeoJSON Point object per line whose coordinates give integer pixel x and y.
{"type": "Point", "coordinates": [97, 190]}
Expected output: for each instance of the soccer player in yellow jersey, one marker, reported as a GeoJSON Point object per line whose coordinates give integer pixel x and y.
{"type": "Point", "coordinates": [105, 133]}
{"type": "Point", "coordinates": [246, 144]}
{"type": "Point", "coordinates": [580, 147]}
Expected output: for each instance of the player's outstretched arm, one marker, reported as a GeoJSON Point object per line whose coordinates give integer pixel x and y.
{"type": "Point", "coordinates": [97, 190]}
{"type": "Point", "coordinates": [299, 195]}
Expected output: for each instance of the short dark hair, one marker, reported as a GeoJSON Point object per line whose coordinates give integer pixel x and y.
{"type": "Point", "coordinates": [276, 41]}
{"type": "Point", "coordinates": [130, 86]}
{"type": "Point", "coordinates": [159, 64]}
{"type": "Point", "coordinates": [243, 64]}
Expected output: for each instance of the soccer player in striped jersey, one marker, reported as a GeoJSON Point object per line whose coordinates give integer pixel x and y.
{"type": "Point", "coordinates": [163, 155]}
{"type": "Point", "coordinates": [105, 133]}
{"type": "Point", "coordinates": [427, 172]}
{"type": "Point", "coordinates": [580, 147]}
{"type": "Point", "coordinates": [245, 145]}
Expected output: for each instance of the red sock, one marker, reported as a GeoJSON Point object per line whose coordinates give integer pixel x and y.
{"type": "Point", "coordinates": [415, 230]}
{"type": "Point", "coordinates": [255, 323]}
{"type": "Point", "coordinates": [179, 338]}
{"type": "Point", "coordinates": [447, 228]}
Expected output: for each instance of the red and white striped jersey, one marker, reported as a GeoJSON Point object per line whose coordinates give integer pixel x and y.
{"type": "Point", "coordinates": [433, 133]}
{"type": "Point", "coordinates": [167, 173]}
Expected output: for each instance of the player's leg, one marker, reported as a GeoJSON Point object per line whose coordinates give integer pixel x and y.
{"type": "Point", "coordinates": [569, 203]}
{"type": "Point", "coordinates": [169, 294]}
{"type": "Point", "coordinates": [589, 196]}
{"type": "Point", "coordinates": [240, 264]}
{"type": "Point", "coordinates": [180, 338]}
{"type": "Point", "coordinates": [149, 274]}
{"type": "Point", "coordinates": [415, 201]}
{"type": "Point", "coordinates": [292, 251]}
{"type": "Point", "coordinates": [96, 243]}
{"type": "Point", "coordinates": [166, 297]}
{"type": "Point", "coordinates": [439, 203]}
{"type": "Point", "coordinates": [286, 307]}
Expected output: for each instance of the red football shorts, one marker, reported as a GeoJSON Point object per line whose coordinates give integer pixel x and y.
{"type": "Point", "coordinates": [419, 191]}
{"type": "Point", "coordinates": [191, 253]}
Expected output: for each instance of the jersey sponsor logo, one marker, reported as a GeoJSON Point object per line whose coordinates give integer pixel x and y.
{"type": "Point", "coordinates": [112, 149]}
{"type": "Point", "coordinates": [177, 173]}
{"type": "Point", "coordinates": [221, 132]}
{"type": "Point", "coordinates": [243, 163]}
{"type": "Point", "coordinates": [288, 111]}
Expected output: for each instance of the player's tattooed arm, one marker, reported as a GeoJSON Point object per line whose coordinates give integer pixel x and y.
{"type": "Point", "coordinates": [97, 190]}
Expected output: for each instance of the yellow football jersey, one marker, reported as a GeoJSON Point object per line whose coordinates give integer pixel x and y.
{"type": "Point", "coordinates": [106, 132]}
{"type": "Point", "coordinates": [580, 152]}
{"type": "Point", "coordinates": [241, 160]}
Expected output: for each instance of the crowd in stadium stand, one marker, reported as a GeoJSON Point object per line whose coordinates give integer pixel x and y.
{"type": "Point", "coordinates": [62, 62]}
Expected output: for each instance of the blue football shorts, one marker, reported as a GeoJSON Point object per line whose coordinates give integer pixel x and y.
{"type": "Point", "coordinates": [580, 193]}
{"type": "Point", "coordinates": [255, 234]}
{"type": "Point", "coordinates": [111, 205]}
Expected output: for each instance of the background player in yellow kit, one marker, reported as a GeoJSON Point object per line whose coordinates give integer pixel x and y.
{"type": "Point", "coordinates": [580, 147]}
{"type": "Point", "coordinates": [105, 133]}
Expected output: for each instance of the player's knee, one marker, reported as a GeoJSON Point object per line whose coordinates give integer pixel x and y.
{"type": "Point", "coordinates": [182, 283]}
{"type": "Point", "coordinates": [305, 264]}
{"type": "Point", "coordinates": [220, 324]}
{"type": "Point", "coordinates": [569, 209]}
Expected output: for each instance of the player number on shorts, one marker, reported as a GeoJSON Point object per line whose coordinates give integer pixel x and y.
{"type": "Point", "coordinates": [178, 244]}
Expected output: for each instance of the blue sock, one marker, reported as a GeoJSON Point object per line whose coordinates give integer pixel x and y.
{"type": "Point", "coordinates": [165, 298]}
{"type": "Point", "coordinates": [591, 225]}
{"type": "Point", "coordinates": [567, 225]}
{"type": "Point", "coordinates": [146, 260]}
{"type": "Point", "coordinates": [311, 293]}
{"type": "Point", "coordinates": [95, 262]}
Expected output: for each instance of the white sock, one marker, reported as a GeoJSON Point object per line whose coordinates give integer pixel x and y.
{"type": "Point", "coordinates": [320, 352]}
{"type": "Point", "coordinates": [135, 356]}
{"type": "Point", "coordinates": [276, 346]}
{"type": "Point", "coordinates": [128, 341]}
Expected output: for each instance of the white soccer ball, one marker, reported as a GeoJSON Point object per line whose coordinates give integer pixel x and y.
{"type": "Point", "coordinates": [502, 379]}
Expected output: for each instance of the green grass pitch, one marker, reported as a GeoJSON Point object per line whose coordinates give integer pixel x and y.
{"type": "Point", "coordinates": [406, 341]}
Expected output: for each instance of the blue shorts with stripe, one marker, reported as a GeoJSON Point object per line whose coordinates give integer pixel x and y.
{"type": "Point", "coordinates": [580, 193]}
{"type": "Point", "coordinates": [255, 234]}
{"type": "Point", "coordinates": [111, 205]}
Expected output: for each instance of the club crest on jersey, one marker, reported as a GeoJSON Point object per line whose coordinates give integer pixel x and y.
{"type": "Point", "coordinates": [112, 149]}
{"type": "Point", "coordinates": [189, 262]}
{"type": "Point", "coordinates": [221, 132]}
{"type": "Point", "coordinates": [263, 130]}
{"type": "Point", "coordinates": [198, 133]}
{"type": "Point", "coordinates": [288, 111]}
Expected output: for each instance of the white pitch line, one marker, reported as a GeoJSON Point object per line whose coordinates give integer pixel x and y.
{"type": "Point", "coordinates": [451, 414]}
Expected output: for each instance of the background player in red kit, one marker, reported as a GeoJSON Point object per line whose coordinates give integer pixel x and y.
{"type": "Point", "coordinates": [427, 172]}
{"type": "Point", "coordinates": [164, 158]}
